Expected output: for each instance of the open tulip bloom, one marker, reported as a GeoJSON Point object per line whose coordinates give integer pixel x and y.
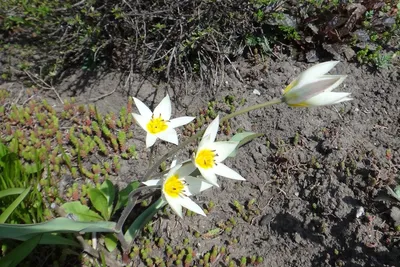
{"type": "Point", "coordinates": [157, 124]}
{"type": "Point", "coordinates": [178, 186]}
{"type": "Point", "coordinates": [313, 87]}
{"type": "Point", "coordinates": [210, 154]}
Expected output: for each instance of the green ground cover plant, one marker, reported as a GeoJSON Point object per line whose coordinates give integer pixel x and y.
{"type": "Point", "coordinates": [189, 39]}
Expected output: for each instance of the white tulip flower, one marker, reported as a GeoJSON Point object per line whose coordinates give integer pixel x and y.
{"type": "Point", "coordinates": [157, 124]}
{"type": "Point", "coordinates": [210, 154]}
{"type": "Point", "coordinates": [313, 88]}
{"type": "Point", "coordinates": [178, 186]}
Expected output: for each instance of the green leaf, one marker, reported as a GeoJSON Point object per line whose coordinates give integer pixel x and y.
{"type": "Point", "coordinates": [123, 195]}
{"type": "Point", "coordinates": [52, 239]}
{"type": "Point", "coordinates": [21, 252]}
{"type": "Point", "coordinates": [83, 212]}
{"type": "Point", "coordinates": [111, 242]}
{"type": "Point", "coordinates": [108, 189]}
{"type": "Point", "coordinates": [11, 191]}
{"type": "Point", "coordinates": [99, 202]}
{"type": "Point", "coordinates": [143, 219]}
{"type": "Point", "coordinates": [4, 216]}
{"type": "Point", "coordinates": [243, 138]}
{"type": "Point", "coordinates": [58, 225]}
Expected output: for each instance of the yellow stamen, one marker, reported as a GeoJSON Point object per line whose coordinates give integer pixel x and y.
{"type": "Point", "coordinates": [206, 158]}
{"type": "Point", "coordinates": [156, 125]}
{"type": "Point", "coordinates": [173, 187]}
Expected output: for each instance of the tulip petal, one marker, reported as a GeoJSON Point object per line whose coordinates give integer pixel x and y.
{"type": "Point", "coordinates": [150, 140]}
{"type": "Point", "coordinates": [212, 129]}
{"type": "Point", "coordinates": [141, 120]}
{"type": "Point", "coordinates": [163, 108]}
{"type": "Point", "coordinates": [311, 89]}
{"type": "Point", "coordinates": [209, 175]}
{"type": "Point", "coordinates": [205, 142]}
{"type": "Point", "coordinates": [316, 71]}
{"type": "Point", "coordinates": [169, 135]}
{"type": "Point", "coordinates": [191, 205]}
{"type": "Point", "coordinates": [227, 172]}
{"type": "Point", "coordinates": [328, 98]}
{"type": "Point", "coordinates": [153, 182]}
{"type": "Point", "coordinates": [223, 149]}
{"type": "Point", "coordinates": [143, 109]}
{"type": "Point", "coordinates": [196, 185]}
{"type": "Point", "coordinates": [180, 121]}
{"type": "Point", "coordinates": [175, 204]}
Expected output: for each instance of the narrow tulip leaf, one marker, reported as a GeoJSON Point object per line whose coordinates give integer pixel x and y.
{"type": "Point", "coordinates": [4, 216]}
{"type": "Point", "coordinates": [108, 190]}
{"type": "Point", "coordinates": [11, 191]}
{"type": "Point", "coordinates": [64, 225]}
{"type": "Point", "coordinates": [243, 138]}
{"type": "Point", "coordinates": [13, 258]}
{"type": "Point", "coordinates": [142, 220]}
{"type": "Point", "coordinates": [123, 195]}
{"type": "Point", "coordinates": [51, 239]}
{"type": "Point", "coordinates": [99, 202]}
{"type": "Point", "coordinates": [83, 212]}
{"type": "Point", "coordinates": [111, 242]}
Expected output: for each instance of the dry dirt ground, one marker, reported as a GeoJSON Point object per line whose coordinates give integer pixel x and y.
{"type": "Point", "coordinates": [311, 174]}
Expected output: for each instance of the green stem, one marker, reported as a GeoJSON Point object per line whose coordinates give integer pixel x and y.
{"type": "Point", "coordinates": [175, 150]}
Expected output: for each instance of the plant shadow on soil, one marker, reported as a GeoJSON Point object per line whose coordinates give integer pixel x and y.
{"type": "Point", "coordinates": [307, 192]}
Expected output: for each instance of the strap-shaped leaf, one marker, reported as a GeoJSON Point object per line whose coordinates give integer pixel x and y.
{"type": "Point", "coordinates": [4, 216]}
{"type": "Point", "coordinates": [58, 225]}
{"type": "Point", "coordinates": [21, 252]}
{"type": "Point", "coordinates": [243, 138]}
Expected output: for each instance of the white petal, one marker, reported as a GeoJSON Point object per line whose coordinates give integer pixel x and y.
{"type": "Point", "coordinates": [143, 109]}
{"type": "Point", "coordinates": [227, 172]}
{"type": "Point", "coordinates": [169, 135]}
{"type": "Point", "coordinates": [212, 129]}
{"type": "Point", "coordinates": [175, 204]}
{"type": "Point", "coordinates": [191, 205]}
{"type": "Point", "coordinates": [173, 170]}
{"type": "Point", "coordinates": [196, 185]}
{"type": "Point", "coordinates": [315, 71]}
{"type": "Point", "coordinates": [153, 182]}
{"type": "Point", "coordinates": [309, 90]}
{"type": "Point", "coordinates": [150, 139]}
{"type": "Point", "coordinates": [141, 120]}
{"type": "Point", "coordinates": [223, 149]}
{"type": "Point", "coordinates": [163, 108]}
{"type": "Point", "coordinates": [180, 121]}
{"type": "Point", "coordinates": [328, 98]}
{"type": "Point", "coordinates": [205, 142]}
{"type": "Point", "coordinates": [186, 169]}
{"type": "Point", "coordinates": [209, 175]}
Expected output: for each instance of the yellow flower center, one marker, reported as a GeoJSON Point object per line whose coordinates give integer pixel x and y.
{"type": "Point", "coordinates": [206, 158]}
{"type": "Point", "coordinates": [173, 187]}
{"type": "Point", "coordinates": [156, 125]}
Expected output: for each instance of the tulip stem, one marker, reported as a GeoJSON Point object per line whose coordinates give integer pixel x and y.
{"type": "Point", "coordinates": [175, 150]}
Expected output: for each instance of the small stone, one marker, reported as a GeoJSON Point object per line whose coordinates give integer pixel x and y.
{"type": "Point", "coordinates": [360, 212]}
{"type": "Point", "coordinates": [297, 238]}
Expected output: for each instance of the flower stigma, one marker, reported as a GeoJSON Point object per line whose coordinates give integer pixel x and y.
{"type": "Point", "coordinates": [174, 187]}
{"type": "Point", "coordinates": [157, 125]}
{"type": "Point", "coordinates": [206, 158]}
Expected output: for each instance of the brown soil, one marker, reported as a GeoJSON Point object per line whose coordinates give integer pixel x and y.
{"type": "Point", "coordinates": [308, 188]}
